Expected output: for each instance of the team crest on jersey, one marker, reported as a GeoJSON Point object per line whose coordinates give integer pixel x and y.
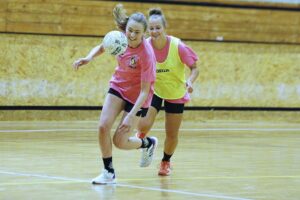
{"type": "Point", "coordinates": [133, 61]}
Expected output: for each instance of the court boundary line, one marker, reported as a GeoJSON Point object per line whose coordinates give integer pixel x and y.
{"type": "Point", "coordinates": [226, 122]}
{"type": "Point", "coordinates": [125, 185]}
{"type": "Point", "coordinates": [155, 129]}
{"type": "Point", "coordinates": [187, 108]}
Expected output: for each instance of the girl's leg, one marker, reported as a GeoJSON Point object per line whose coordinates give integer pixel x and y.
{"type": "Point", "coordinates": [172, 125]}
{"type": "Point", "coordinates": [123, 140]}
{"type": "Point", "coordinates": [113, 105]}
{"type": "Point", "coordinates": [174, 114]}
{"type": "Point", "coordinates": [147, 122]}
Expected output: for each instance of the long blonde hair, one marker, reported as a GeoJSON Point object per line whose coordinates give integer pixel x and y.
{"type": "Point", "coordinates": [121, 19]}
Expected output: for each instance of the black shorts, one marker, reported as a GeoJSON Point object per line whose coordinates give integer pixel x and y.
{"type": "Point", "coordinates": [128, 106]}
{"type": "Point", "coordinates": [169, 107]}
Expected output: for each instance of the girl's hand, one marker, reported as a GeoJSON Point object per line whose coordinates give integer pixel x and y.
{"type": "Point", "coordinates": [80, 62]}
{"type": "Point", "coordinates": [126, 124]}
{"type": "Point", "coordinates": [189, 86]}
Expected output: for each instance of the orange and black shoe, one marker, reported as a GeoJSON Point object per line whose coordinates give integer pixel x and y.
{"type": "Point", "coordinates": [165, 168]}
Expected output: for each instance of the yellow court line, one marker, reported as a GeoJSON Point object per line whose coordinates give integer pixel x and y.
{"type": "Point", "coordinates": [40, 182]}
{"type": "Point", "coordinates": [212, 177]}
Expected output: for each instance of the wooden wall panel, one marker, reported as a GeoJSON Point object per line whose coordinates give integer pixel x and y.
{"type": "Point", "coordinates": [235, 24]}
{"type": "Point", "coordinates": [247, 75]}
{"type": "Point", "coordinates": [260, 4]}
{"type": "Point", "coordinates": [59, 17]}
{"type": "Point", "coordinates": [94, 18]}
{"type": "Point", "coordinates": [3, 14]}
{"type": "Point", "coordinates": [36, 70]}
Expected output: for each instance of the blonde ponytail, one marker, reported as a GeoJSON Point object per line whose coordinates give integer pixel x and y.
{"type": "Point", "coordinates": [120, 16]}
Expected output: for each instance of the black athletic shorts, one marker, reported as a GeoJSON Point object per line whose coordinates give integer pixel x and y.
{"type": "Point", "coordinates": [128, 106]}
{"type": "Point", "coordinates": [169, 107]}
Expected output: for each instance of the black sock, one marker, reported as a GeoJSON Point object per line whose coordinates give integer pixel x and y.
{"type": "Point", "coordinates": [108, 164]}
{"type": "Point", "coordinates": [167, 157]}
{"type": "Point", "coordinates": [146, 142]}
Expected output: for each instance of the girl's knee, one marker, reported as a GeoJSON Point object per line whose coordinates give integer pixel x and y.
{"type": "Point", "coordinates": [118, 141]}
{"type": "Point", "coordinates": [103, 128]}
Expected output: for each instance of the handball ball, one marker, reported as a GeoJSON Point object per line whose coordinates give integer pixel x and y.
{"type": "Point", "coordinates": [115, 42]}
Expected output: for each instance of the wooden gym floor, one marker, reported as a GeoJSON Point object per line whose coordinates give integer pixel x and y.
{"type": "Point", "coordinates": [214, 160]}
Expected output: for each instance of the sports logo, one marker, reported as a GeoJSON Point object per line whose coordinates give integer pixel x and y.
{"type": "Point", "coordinates": [133, 62]}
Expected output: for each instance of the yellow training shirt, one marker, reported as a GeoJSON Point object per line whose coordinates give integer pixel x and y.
{"type": "Point", "coordinates": [170, 74]}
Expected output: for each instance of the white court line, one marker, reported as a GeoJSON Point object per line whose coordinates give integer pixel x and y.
{"type": "Point", "coordinates": [127, 186]}
{"type": "Point", "coordinates": [159, 129]}
{"type": "Point", "coordinates": [45, 130]}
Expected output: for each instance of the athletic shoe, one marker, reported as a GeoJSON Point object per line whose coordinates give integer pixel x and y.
{"type": "Point", "coordinates": [105, 178]}
{"type": "Point", "coordinates": [165, 168]}
{"type": "Point", "coordinates": [147, 153]}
